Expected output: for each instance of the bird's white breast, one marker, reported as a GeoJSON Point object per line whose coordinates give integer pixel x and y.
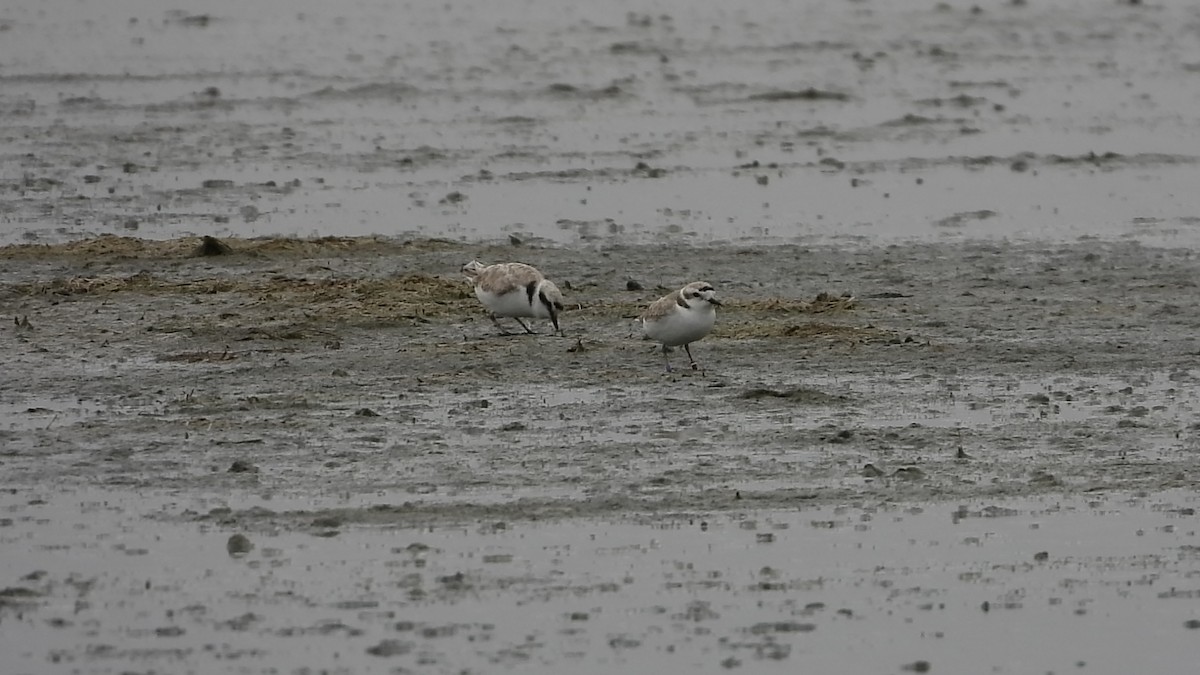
{"type": "Point", "coordinates": [515, 303]}
{"type": "Point", "coordinates": [681, 326]}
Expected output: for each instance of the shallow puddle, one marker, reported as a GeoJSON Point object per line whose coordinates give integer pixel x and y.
{"type": "Point", "coordinates": [111, 581]}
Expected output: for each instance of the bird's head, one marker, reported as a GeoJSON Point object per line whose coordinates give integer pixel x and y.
{"type": "Point", "coordinates": [473, 268]}
{"type": "Point", "coordinates": [700, 291]}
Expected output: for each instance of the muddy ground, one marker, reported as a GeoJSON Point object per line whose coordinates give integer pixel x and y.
{"type": "Point", "coordinates": [365, 365]}
{"type": "Point", "coordinates": [946, 421]}
{"type": "Point", "coordinates": [327, 389]}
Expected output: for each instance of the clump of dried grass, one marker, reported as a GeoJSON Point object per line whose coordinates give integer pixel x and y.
{"type": "Point", "coordinates": [412, 295]}
{"type": "Point", "coordinates": [808, 331]}
{"type": "Point", "coordinates": [735, 307]}
{"type": "Point", "coordinates": [105, 284]}
{"type": "Point", "coordinates": [356, 300]}
{"type": "Point", "coordinates": [823, 302]}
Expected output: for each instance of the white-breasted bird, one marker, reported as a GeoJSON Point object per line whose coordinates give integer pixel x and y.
{"type": "Point", "coordinates": [681, 318]}
{"type": "Point", "coordinates": [515, 290]}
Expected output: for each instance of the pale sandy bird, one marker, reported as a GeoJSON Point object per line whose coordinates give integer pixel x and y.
{"type": "Point", "coordinates": [681, 318]}
{"type": "Point", "coordinates": [515, 290]}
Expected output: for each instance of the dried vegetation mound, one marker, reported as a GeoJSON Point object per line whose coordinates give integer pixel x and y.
{"type": "Point", "coordinates": [810, 331]}
{"type": "Point", "coordinates": [413, 296]}
{"type": "Point", "coordinates": [348, 295]}
{"type": "Point", "coordinates": [822, 303]}
{"type": "Point", "coordinates": [776, 318]}
{"type": "Point", "coordinates": [133, 247]}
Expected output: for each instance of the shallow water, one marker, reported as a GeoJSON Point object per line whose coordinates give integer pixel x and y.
{"type": "Point", "coordinates": [1001, 586]}
{"type": "Point", "coordinates": [681, 123]}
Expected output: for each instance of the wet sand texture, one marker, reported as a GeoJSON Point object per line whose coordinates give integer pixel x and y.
{"type": "Point", "coordinates": [947, 419]}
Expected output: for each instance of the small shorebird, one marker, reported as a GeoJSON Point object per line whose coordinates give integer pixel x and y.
{"type": "Point", "coordinates": [681, 318]}
{"type": "Point", "coordinates": [515, 290]}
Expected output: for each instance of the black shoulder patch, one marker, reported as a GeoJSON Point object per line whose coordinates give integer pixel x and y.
{"type": "Point", "coordinates": [552, 307]}
{"type": "Point", "coordinates": [681, 302]}
{"type": "Point", "coordinates": [530, 289]}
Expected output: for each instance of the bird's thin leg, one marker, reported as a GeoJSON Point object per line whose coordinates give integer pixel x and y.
{"type": "Point", "coordinates": [667, 357]}
{"type": "Point", "coordinates": [500, 328]}
{"type": "Point", "coordinates": [527, 328]}
{"type": "Point", "coordinates": [695, 366]}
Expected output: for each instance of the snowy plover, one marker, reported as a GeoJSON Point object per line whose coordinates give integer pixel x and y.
{"type": "Point", "coordinates": [681, 318]}
{"type": "Point", "coordinates": [515, 290]}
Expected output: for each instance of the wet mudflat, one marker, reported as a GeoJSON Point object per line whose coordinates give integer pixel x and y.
{"type": "Point", "coordinates": [1042, 584]}
{"type": "Point", "coordinates": [321, 452]}
{"type": "Point", "coordinates": [947, 419]}
{"type": "Point", "coordinates": [865, 122]}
